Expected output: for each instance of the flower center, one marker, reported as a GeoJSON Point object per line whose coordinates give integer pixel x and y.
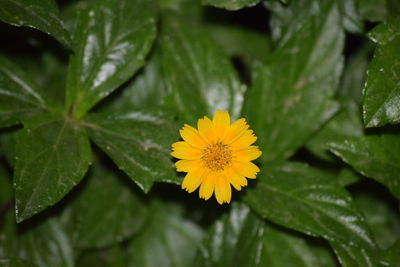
{"type": "Point", "coordinates": [216, 156]}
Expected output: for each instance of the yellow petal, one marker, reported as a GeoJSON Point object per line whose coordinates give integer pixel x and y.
{"type": "Point", "coordinates": [222, 123]}
{"type": "Point", "coordinates": [222, 190]}
{"type": "Point", "coordinates": [183, 150]}
{"type": "Point", "coordinates": [193, 179]}
{"type": "Point", "coordinates": [249, 154]}
{"type": "Point", "coordinates": [236, 130]}
{"type": "Point", "coordinates": [247, 169]}
{"type": "Point", "coordinates": [185, 165]}
{"type": "Point", "coordinates": [207, 186]}
{"type": "Point", "coordinates": [192, 136]}
{"type": "Point", "coordinates": [235, 179]}
{"type": "Point", "coordinates": [206, 129]}
{"type": "Point", "coordinates": [244, 141]}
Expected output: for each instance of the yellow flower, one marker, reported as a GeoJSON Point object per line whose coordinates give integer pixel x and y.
{"type": "Point", "coordinates": [216, 155]}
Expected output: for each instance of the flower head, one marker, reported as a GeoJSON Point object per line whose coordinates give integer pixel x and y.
{"type": "Point", "coordinates": [216, 155]}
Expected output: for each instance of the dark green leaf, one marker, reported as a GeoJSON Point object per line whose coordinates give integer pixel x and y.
{"type": "Point", "coordinates": [383, 219]}
{"type": "Point", "coordinates": [53, 154]}
{"type": "Point", "coordinates": [392, 256]}
{"type": "Point", "coordinates": [350, 255]}
{"type": "Point", "coordinates": [110, 257]}
{"type": "Point", "coordinates": [145, 90]}
{"type": "Point", "coordinates": [167, 240]}
{"type": "Point", "coordinates": [308, 200]}
{"type": "Point", "coordinates": [105, 212]}
{"type": "Point", "coordinates": [345, 124]}
{"type": "Point", "coordinates": [6, 193]}
{"type": "Point", "coordinates": [374, 156]}
{"type": "Point", "coordinates": [16, 263]}
{"type": "Point", "coordinates": [112, 41]}
{"type": "Point", "coordinates": [372, 10]}
{"type": "Point", "coordinates": [242, 239]}
{"type": "Point", "coordinates": [230, 4]}
{"type": "Point", "coordinates": [348, 177]}
{"type": "Point", "coordinates": [292, 96]}
{"type": "Point", "coordinates": [44, 243]}
{"type": "Point", "coordinates": [139, 143]}
{"type": "Point", "coordinates": [200, 77]}
{"type": "Point", "coordinates": [19, 96]}
{"type": "Point", "coordinates": [249, 45]}
{"type": "Point", "coordinates": [38, 14]}
{"type": "Point", "coordinates": [382, 88]}
{"type": "Point", "coordinates": [385, 32]}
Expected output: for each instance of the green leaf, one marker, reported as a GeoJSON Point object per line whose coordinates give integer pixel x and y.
{"type": "Point", "coordinates": [350, 255]}
{"type": "Point", "coordinates": [392, 256]}
{"type": "Point", "coordinates": [292, 96]}
{"type": "Point", "coordinates": [352, 21]}
{"type": "Point", "coordinates": [168, 239]}
{"type": "Point", "coordinates": [109, 257]}
{"type": "Point", "coordinates": [8, 141]}
{"type": "Point", "coordinates": [346, 124]}
{"type": "Point", "coordinates": [6, 192]}
{"type": "Point", "coordinates": [139, 143]}
{"type": "Point", "coordinates": [200, 77]}
{"type": "Point", "coordinates": [105, 212]}
{"type": "Point", "coordinates": [348, 177]}
{"type": "Point", "coordinates": [248, 44]}
{"type": "Point", "coordinates": [111, 43]}
{"type": "Point", "coordinates": [16, 263]}
{"type": "Point", "coordinates": [53, 154]}
{"type": "Point", "coordinates": [145, 90]}
{"type": "Point", "coordinates": [44, 243]}
{"type": "Point", "coordinates": [382, 88]}
{"type": "Point", "coordinates": [374, 156]}
{"type": "Point", "coordinates": [230, 4]}
{"type": "Point", "coordinates": [240, 238]}
{"type": "Point", "coordinates": [372, 10]}
{"type": "Point", "coordinates": [38, 14]}
{"type": "Point", "coordinates": [19, 96]}
{"type": "Point", "coordinates": [383, 219]}
{"type": "Point", "coordinates": [308, 200]}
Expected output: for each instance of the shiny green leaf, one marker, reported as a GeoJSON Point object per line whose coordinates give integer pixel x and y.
{"type": "Point", "coordinates": [38, 14]}
{"type": "Point", "coordinates": [200, 77]}
{"type": "Point", "coordinates": [346, 124]}
{"type": "Point", "coordinates": [168, 239]}
{"type": "Point", "coordinates": [230, 4]}
{"type": "Point", "coordinates": [139, 142]}
{"type": "Point", "coordinates": [383, 219]}
{"type": "Point", "coordinates": [374, 156]}
{"type": "Point", "coordinates": [308, 200]}
{"type": "Point", "coordinates": [350, 255]}
{"type": "Point", "coordinates": [292, 96]}
{"type": "Point", "coordinates": [53, 154]}
{"type": "Point", "coordinates": [44, 243]}
{"type": "Point", "coordinates": [144, 90]}
{"type": "Point", "coordinates": [240, 238]}
{"type": "Point", "coordinates": [382, 88]}
{"type": "Point", "coordinates": [19, 96]}
{"type": "Point", "coordinates": [105, 212]}
{"type": "Point", "coordinates": [111, 43]}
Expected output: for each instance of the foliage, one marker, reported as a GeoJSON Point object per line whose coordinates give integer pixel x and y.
{"type": "Point", "coordinates": [92, 95]}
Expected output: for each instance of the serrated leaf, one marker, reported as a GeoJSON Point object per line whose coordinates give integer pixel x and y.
{"type": "Point", "coordinates": [168, 240]}
{"type": "Point", "coordinates": [240, 238]}
{"type": "Point", "coordinates": [53, 154]}
{"type": "Point", "coordinates": [111, 43]}
{"type": "Point", "coordinates": [382, 88]}
{"type": "Point", "coordinates": [374, 156]}
{"type": "Point", "coordinates": [308, 200]}
{"type": "Point", "coordinates": [231, 4]}
{"type": "Point", "coordinates": [19, 96]}
{"type": "Point", "coordinates": [38, 14]}
{"type": "Point", "coordinates": [44, 243]}
{"type": "Point", "coordinates": [105, 212]}
{"type": "Point", "coordinates": [292, 96]}
{"type": "Point", "coordinates": [200, 77]}
{"type": "Point", "coordinates": [139, 143]}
